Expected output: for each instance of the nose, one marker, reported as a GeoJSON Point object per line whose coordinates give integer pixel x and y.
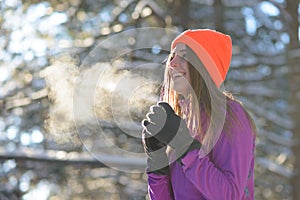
{"type": "Point", "coordinates": [175, 62]}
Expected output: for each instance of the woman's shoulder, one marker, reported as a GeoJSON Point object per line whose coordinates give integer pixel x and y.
{"type": "Point", "coordinates": [237, 113]}
{"type": "Point", "coordinates": [235, 106]}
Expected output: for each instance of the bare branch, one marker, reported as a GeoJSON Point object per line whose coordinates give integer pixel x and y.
{"type": "Point", "coordinates": [72, 158]}
{"type": "Point", "coordinates": [19, 102]}
{"type": "Point", "coordinates": [274, 167]}
{"type": "Point", "coordinates": [278, 139]}
{"type": "Point", "coordinates": [272, 116]}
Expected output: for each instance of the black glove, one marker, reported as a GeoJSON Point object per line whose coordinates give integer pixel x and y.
{"type": "Point", "coordinates": [157, 160]}
{"type": "Point", "coordinates": [170, 129]}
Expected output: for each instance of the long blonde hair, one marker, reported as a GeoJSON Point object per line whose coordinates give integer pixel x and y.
{"type": "Point", "coordinates": [205, 96]}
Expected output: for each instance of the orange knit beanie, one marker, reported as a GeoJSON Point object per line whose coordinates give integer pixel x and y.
{"type": "Point", "coordinates": [213, 48]}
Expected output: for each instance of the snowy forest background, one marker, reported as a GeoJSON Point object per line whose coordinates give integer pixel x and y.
{"type": "Point", "coordinates": [54, 105]}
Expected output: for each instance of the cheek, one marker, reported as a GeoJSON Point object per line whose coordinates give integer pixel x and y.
{"type": "Point", "coordinates": [188, 77]}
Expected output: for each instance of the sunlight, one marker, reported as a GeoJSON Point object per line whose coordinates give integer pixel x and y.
{"type": "Point", "coordinates": [11, 3]}
{"type": "Point", "coordinates": [269, 9]}
{"type": "Point", "coordinates": [12, 132]}
{"type": "Point", "coordinates": [57, 18]}
{"type": "Point", "coordinates": [41, 192]}
{"type": "Point", "coordinates": [75, 87]}
{"type": "Point", "coordinates": [4, 74]}
{"type": "Point", "coordinates": [37, 136]}
{"type": "Point", "coordinates": [25, 139]}
{"type": "Point", "coordinates": [156, 49]}
{"type": "Point", "coordinates": [37, 11]}
{"type": "Point", "coordinates": [9, 165]}
{"type": "Point", "coordinates": [250, 21]}
{"type": "Point", "coordinates": [39, 47]}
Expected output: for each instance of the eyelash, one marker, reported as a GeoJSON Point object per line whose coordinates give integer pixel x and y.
{"type": "Point", "coordinates": [173, 55]}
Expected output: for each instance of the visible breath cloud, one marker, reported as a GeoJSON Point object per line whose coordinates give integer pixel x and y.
{"type": "Point", "coordinates": [103, 92]}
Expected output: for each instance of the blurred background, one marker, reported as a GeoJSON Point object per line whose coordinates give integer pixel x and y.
{"type": "Point", "coordinates": [45, 47]}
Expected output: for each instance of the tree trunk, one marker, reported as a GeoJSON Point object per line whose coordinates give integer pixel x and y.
{"type": "Point", "coordinates": [293, 61]}
{"type": "Point", "coordinates": [181, 13]}
{"type": "Point", "coordinates": [219, 15]}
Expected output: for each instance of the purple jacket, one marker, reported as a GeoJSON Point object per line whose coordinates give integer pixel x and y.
{"type": "Point", "coordinates": [225, 173]}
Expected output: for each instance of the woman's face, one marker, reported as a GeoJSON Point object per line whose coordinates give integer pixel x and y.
{"type": "Point", "coordinates": [179, 70]}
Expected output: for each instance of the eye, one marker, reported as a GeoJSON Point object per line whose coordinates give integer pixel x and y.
{"type": "Point", "coordinates": [171, 56]}
{"type": "Point", "coordinates": [183, 56]}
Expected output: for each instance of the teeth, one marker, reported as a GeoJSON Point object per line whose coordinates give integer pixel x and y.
{"type": "Point", "coordinates": [177, 74]}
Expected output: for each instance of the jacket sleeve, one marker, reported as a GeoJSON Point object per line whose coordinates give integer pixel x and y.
{"type": "Point", "coordinates": [159, 187]}
{"type": "Point", "coordinates": [224, 174]}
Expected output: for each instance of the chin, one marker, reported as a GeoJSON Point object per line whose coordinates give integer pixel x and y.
{"type": "Point", "coordinates": [180, 91]}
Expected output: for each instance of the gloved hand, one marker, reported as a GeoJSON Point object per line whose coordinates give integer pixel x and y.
{"type": "Point", "coordinates": [170, 129]}
{"type": "Point", "coordinates": [157, 160]}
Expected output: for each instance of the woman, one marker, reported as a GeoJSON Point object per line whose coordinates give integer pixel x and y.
{"type": "Point", "coordinates": [199, 140]}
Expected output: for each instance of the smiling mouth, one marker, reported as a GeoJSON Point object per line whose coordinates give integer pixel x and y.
{"type": "Point", "coordinates": [178, 74]}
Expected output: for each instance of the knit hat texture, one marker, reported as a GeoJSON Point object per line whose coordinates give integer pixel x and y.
{"type": "Point", "coordinates": [214, 49]}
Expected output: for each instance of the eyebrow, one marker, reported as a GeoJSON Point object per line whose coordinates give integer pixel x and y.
{"type": "Point", "coordinates": [173, 51]}
{"type": "Point", "coordinates": [182, 51]}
